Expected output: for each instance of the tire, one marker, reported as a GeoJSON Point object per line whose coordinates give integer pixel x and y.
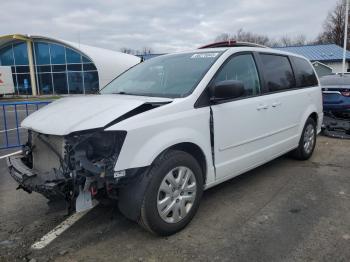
{"type": "Point", "coordinates": [160, 198]}
{"type": "Point", "coordinates": [307, 141]}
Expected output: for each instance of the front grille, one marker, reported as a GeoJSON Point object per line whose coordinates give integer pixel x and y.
{"type": "Point", "coordinates": [44, 157]}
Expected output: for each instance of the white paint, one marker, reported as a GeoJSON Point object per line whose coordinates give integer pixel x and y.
{"type": "Point", "coordinates": [152, 132]}
{"type": "Point", "coordinates": [271, 130]}
{"type": "Point", "coordinates": [11, 154]}
{"type": "Point", "coordinates": [8, 130]}
{"type": "Point", "coordinates": [337, 66]}
{"type": "Point", "coordinates": [72, 114]}
{"type": "Point", "coordinates": [53, 234]}
{"type": "Point", "coordinates": [6, 81]}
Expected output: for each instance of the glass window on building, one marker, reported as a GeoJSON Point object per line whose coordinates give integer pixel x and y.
{"type": "Point", "coordinates": [57, 53]}
{"type": "Point", "coordinates": [23, 84]}
{"type": "Point", "coordinates": [20, 54]}
{"type": "Point", "coordinates": [59, 69]}
{"type": "Point", "coordinates": [42, 53]}
{"type": "Point", "coordinates": [91, 82]}
{"type": "Point", "coordinates": [60, 83]}
{"type": "Point", "coordinates": [85, 59]}
{"type": "Point", "coordinates": [72, 56]}
{"type": "Point", "coordinates": [22, 69]}
{"type": "Point", "coordinates": [45, 83]}
{"type": "Point", "coordinates": [6, 56]}
{"type": "Point", "coordinates": [43, 69]}
{"type": "Point", "coordinates": [75, 80]}
{"type": "Point", "coordinates": [89, 67]}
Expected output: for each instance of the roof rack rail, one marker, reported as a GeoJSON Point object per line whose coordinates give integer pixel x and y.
{"type": "Point", "coordinates": [231, 43]}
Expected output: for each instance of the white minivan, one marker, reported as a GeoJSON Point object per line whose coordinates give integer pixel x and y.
{"type": "Point", "coordinates": [168, 128]}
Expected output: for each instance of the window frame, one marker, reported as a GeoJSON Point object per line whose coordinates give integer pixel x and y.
{"type": "Point", "coordinates": [266, 90]}
{"type": "Point", "coordinates": [204, 99]}
{"type": "Point", "coordinates": [292, 60]}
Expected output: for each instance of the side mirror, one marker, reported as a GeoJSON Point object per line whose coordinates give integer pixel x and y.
{"type": "Point", "coordinates": [224, 90]}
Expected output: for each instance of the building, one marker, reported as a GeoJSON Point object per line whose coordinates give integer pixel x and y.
{"type": "Point", "coordinates": [46, 66]}
{"type": "Point", "coordinates": [322, 69]}
{"type": "Point", "coordinates": [325, 58]}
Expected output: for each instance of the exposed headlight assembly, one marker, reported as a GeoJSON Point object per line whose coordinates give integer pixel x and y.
{"type": "Point", "coordinates": [94, 153]}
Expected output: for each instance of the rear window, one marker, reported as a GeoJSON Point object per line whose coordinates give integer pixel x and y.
{"type": "Point", "coordinates": [304, 73]}
{"type": "Point", "coordinates": [278, 72]}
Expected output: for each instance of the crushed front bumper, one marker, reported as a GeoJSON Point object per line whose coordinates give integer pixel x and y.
{"type": "Point", "coordinates": [30, 180]}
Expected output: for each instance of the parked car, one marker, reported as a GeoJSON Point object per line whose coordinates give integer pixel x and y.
{"type": "Point", "coordinates": [336, 94]}
{"type": "Point", "coordinates": [171, 127]}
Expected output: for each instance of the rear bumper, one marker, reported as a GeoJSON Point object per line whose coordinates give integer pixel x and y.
{"type": "Point", "coordinates": [336, 107]}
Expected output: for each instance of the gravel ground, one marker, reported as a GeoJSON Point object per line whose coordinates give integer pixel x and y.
{"type": "Point", "coordinates": [283, 211]}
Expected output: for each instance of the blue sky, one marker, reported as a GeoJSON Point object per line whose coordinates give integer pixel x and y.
{"type": "Point", "coordinates": [162, 25]}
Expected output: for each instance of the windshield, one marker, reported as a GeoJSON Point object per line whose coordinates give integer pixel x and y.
{"type": "Point", "coordinates": [164, 76]}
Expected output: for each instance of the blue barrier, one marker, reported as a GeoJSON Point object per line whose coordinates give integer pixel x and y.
{"type": "Point", "coordinates": [11, 123]}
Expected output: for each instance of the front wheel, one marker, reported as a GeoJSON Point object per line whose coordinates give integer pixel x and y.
{"type": "Point", "coordinates": [307, 141]}
{"type": "Point", "coordinates": [173, 195]}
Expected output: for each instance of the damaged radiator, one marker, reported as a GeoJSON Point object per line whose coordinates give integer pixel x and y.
{"type": "Point", "coordinates": [46, 152]}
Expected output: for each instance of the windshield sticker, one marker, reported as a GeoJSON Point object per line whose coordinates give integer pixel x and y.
{"type": "Point", "coordinates": [205, 55]}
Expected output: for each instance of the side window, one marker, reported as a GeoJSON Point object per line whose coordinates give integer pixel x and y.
{"type": "Point", "coordinates": [278, 72]}
{"type": "Point", "coordinates": [304, 73]}
{"type": "Point", "coordinates": [242, 68]}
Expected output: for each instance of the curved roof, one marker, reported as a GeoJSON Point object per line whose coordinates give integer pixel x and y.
{"type": "Point", "coordinates": [109, 63]}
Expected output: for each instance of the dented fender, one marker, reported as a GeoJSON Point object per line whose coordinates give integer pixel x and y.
{"type": "Point", "coordinates": [148, 137]}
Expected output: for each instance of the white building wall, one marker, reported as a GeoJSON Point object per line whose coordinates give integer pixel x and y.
{"type": "Point", "coordinates": [337, 66]}
{"type": "Point", "coordinates": [109, 63]}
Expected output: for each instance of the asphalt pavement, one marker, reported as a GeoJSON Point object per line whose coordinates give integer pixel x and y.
{"type": "Point", "coordinates": [286, 210]}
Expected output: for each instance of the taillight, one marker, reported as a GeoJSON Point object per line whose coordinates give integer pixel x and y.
{"type": "Point", "coordinates": [345, 93]}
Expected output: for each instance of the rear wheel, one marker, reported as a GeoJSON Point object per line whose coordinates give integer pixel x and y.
{"type": "Point", "coordinates": [173, 195]}
{"type": "Point", "coordinates": [307, 141]}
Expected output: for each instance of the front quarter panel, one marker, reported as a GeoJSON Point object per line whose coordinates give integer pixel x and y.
{"type": "Point", "coordinates": [148, 136]}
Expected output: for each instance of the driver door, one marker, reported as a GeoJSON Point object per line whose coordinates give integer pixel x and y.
{"type": "Point", "coordinates": [241, 126]}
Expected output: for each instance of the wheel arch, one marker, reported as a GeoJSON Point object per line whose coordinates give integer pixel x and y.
{"type": "Point", "coordinates": [314, 116]}
{"type": "Point", "coordinates": [310, 112]}
{"type": "Point", "coordinates": [194, 150]}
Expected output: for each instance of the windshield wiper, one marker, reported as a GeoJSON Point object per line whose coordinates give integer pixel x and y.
{"type": "Point", "coordinates": [123, 93]}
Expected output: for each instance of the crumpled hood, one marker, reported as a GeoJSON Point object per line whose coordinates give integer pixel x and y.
{"type": "Point", "coordinates": [72, 114]}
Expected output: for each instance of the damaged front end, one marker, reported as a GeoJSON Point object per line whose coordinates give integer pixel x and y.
{"type": "Point", "coordinates": [76, 167]}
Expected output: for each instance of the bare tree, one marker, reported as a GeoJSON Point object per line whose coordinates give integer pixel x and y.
{"type": "Point", "coordinates": [127, 50]}
{"type": "Point", "coordinates": [333, 27]}
{"type": "Point", "coordinates": [290, 41]}
{"type": "Point", "coordinates": [146, 50]}
{"type": "Point", "coordinates": [222, 37]}
{"type": "Point", "coordinates": [244, 36]}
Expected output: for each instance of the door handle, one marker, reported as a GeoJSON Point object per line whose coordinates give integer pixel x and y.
{"type": "Point", "coordinates": [276, 104]}
{"type": "Point", "coordinates": [260, 107]}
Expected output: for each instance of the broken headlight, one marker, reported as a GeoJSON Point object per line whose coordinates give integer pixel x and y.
{"type": "Point", "coordinates": [94, 153]}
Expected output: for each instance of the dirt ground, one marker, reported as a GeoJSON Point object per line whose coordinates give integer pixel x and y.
{"type": "Point", "coordinates": [286, 210]}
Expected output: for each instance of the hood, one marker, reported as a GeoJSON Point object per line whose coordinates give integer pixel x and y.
{"type": "Point", "coordinates": [72, 114]}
